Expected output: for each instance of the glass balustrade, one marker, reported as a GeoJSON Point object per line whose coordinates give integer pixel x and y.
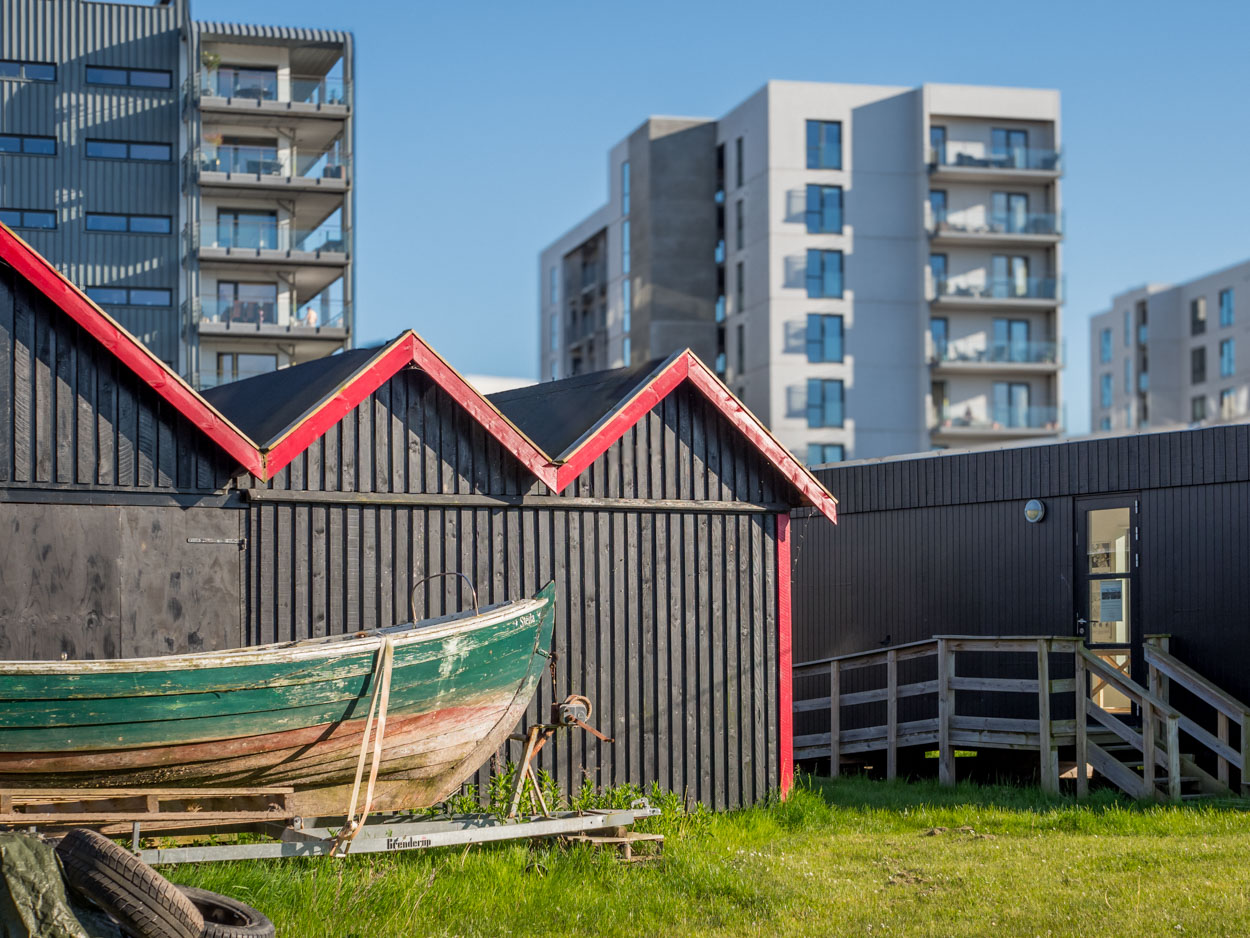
{"type": "Point", "coordinates": [1042, 417]}
{"type": "Point", "coordinates": [270, 236]}
{"type": "Point", "coordinates": [264, 161]}
{"type": "Point", "coordinates": [314, 313]}
{"type": "Point", "coordinates": [1012, 352]}
{"type": "Point", "coordinates": [260, 84]}
{"type": "Point", "coordinates": [979, 156]}
{"type": "Point", "coordinates": [1024, 223]}
{"type": "Point", "coordinates": [1014, 288]}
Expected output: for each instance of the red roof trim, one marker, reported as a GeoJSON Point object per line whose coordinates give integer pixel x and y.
{"type": "Point", "coordinates": [408, 349]}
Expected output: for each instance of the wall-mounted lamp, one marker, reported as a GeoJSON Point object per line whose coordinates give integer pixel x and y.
{"type": "Point", "coordinates": [1034, 511]}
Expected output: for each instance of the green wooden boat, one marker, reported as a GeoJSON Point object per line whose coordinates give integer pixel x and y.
{"type": "Point", "coordinates": [290, 714]}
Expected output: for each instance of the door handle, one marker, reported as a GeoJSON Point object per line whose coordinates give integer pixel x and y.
{"type": "Point", "coordinates": [1080, 625]}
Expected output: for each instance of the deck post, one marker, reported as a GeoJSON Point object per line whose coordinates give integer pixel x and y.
{"type": "Point", "coordinates": [1221, 733]}
{"type": "Point", "coordinates": [1245, 752]}
{"type": "Point", "coordinates": [891, 710]}
{"type": "Point", "coordinates": [946, 704]}
{"type": "Point", "coordinates": [1082, 728]}
{"type": "Point", "coordinates": [1046, 749]}
{"type": "Point", "coordinates": [835, 719]}
{"type": "Point", "coordinates": [1174, 757]}
{"type": "Point", "coordinates": [1149, 735]}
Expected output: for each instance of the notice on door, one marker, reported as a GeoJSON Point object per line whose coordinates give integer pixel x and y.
{"type": "Point", "coordinates": [1111, 601]}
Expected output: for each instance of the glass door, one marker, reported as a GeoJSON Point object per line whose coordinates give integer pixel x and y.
{"type": "Point", "coordinates": [1106, 571]}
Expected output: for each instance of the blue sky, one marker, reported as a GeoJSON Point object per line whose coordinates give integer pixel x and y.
{"type": "Point", "coordinates": [483, 132]}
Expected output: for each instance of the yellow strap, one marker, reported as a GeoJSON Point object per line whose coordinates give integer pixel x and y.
{"type": "Point", "coordinates": [382, 690]}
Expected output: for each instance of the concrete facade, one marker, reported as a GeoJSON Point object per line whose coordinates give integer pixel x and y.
{"type": "Point", "coordinates": [199, 184]}
{"type": "Point", "coordinates": [1173, 354]}
{"type": "Point", "coordinates": [995, 368]}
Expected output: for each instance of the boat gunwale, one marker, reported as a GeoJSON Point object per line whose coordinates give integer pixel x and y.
{"type": "Point", "coordinates": [326, 648]}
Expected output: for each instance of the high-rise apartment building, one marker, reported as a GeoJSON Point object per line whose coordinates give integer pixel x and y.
{"type": "Point", "coordinates": [194, 177]}
{"type": "Point", "coordinates": [1164, 355]}
{"type": "Point", "coordinates": [873, 270]}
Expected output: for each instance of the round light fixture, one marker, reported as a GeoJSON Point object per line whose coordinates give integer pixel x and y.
{"type": "Point", "coordinates": [1034, 511]}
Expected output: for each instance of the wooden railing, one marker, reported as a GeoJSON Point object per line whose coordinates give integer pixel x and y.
{"type": "Point", "coordinates": [949, 729]}
{"type": "Point", "coordinates": [1164, 669]}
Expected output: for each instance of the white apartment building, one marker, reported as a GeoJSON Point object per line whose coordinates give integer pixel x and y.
{"type": "Point", "coordinates": [873, 270]}
{"type": "Point", "coordinates": [1165, 354]}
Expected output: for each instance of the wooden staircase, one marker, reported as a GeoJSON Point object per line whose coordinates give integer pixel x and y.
{"type": "Point", "coordinates": [1140, 753]}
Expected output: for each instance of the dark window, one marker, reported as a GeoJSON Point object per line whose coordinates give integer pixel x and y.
{"type": "Point", "coordinates": [1226, 307]}
{"type": "Point", "coordinates": [824, 402]}
{"type": "Point", "coordinates": [27, 218]}
{"type": "Point", "coordinates": [1227, 359]}
{"type": "Point", "coordinates": [113, 296]}
{"type": "Point", "coordinates": [134, 77]}
{"type": "Point", "coordinates": [824, 274]}
{"type": "Point", "coordinates": [1198, 315]}
{"type": "Point", "coordinates": [740, 285]}
{"type": "Point", "coordinates": [24, 143]}
{"type": "Point", "coordinates": [937, 206]}
{"type": "Point", "coordinates": [937, 271]}
{"type": "Point", "coordinates": [937, 143]}
{"type": "Point", "coordinates": [739, 224]}
{"type": "Point", "coordinates": [939, 331]}
{"type": "Point", "coordinates": [1198, 408]}
{"type": "Point", "coordinates": [739, 172]}
{"type": "Point", "coordinates": [135, 296]}
{"type": "Point", "coordinates": [1009, 148]}
{"type": "Point", "coordinates": [138, 224]}
{"type": "Point", "coordinates": [31, 71]}
{"type": "Point", "coordinates": [246, 229]}
{"type": "Point", "coordinates": [625, 188]}
{"type": "Point", "coordinates": [1104, 346]}
{"type": "Point", "coordinates": [145, 297]}
{"type": "Point", "coordinates": [742, 350]}
{"type": "Point", "coordinates": [257, 84]}
{"type": "Point", "coordinates": [116, 150]}
{"type": "Point", "coordinates": [1104, 384]}
{"type": "Point", "coordinates": [247, 302]}
{"type": "Point", "coordinates": [824, 209]}
{"type": "Point", "coordinates": [10, 144]}
{"type": "Point", "coordinates": [818, 454]}
{"type": "Point", "coordinates": [1197, 365]}
{"type": "Point", "coordinates": [824, 338]}
{"type": "Point", "coordinates": [824, 145]}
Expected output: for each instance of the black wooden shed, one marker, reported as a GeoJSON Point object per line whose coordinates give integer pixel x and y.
{"type": "Point", "coordinates": [138, 517]}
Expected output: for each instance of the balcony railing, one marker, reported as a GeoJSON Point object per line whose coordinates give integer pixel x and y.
{"type": "Point", "coordinates": [259, 236]}
{"type": "Point", "coordinates": [315, 314]}
{"type": "Point", "coordinates": [1012, 223]}
{"type": "Point", "coordinates": [1021, 353]}
{"type": "Point", "coordinates": [975, 156]}
{"type": "Point", "coordinates": [1042, 417]}
{"type": "Point", "coordinates": [1015, 288]}
{"type": "Point", "coordinates": [264, 85]}
{"type": "Point", "coordinates": [270, 162]}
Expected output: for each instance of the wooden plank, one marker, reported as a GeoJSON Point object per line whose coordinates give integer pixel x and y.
{"type": "Point", "coordinates": [1220, 747]}
{"type": "Point", "coordinates": [994, 724]}
{"type": "Point", "coordinates": [1221, 733]}
{"type": "Point", "coordinates": [1174, 758]}
{"type": "Point", "coordinates": [835, 719]}
{"type": "Point", "coordinates": [891, 715]}
{"type": "Point", "coordinates": [43, 409]}
{"type": "Point", "coordinates": [1149, 736]}
{"type": "Point", "coordinates": [470, 500]}
{"type": "Point", "coordinates": [1115, 771]}
{"type": "Point", "coordinates": [996, 684]}
{"type": "Point", "coordinates": [868, 696]}
{"type": "Point", "coordinates": [906, 652]}
{"type": "Point", "coordinates": [946, 708]}
{"type": "Point", "coordinates": [1047, 753]}
{"type": "Point", "coordinates": [1198, 685]}
{"type": "Point", "coordinates": [1081, 690]}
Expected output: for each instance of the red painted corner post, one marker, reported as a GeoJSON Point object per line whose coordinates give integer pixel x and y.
{"type": "Point", "coordinates": [785, 696]}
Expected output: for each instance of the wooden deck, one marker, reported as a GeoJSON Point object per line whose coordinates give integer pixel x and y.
{"type": "Point", "coordinates": [1138, 748]}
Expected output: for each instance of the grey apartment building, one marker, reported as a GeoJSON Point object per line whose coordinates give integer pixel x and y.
{"type": "Point", "coordinates": [1168, 354]}
{"type": "Point", "coordinates": [873, 270]}
{"type": "Point", "coordinates": [194, 177]}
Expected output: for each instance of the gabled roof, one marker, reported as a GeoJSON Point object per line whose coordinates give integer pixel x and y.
{"type": "Point", "coordinates": [556, 429]}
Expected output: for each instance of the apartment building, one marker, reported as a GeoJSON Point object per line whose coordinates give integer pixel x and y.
{"type": "Point", "coordinates": [1168, 354]}
{"type": "Point", "coordinates": [873, 270]}
{"type": "Point", "coordinates": [194, 177]}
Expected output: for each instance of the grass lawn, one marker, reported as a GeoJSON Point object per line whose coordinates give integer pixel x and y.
{"type": "Point", "coordinates": [853, 857]}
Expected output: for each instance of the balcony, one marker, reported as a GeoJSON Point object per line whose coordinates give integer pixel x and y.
{"type": "Point", "coordinates": [317, 319]}
{"type": "Point", "coordinates": [233, 168]}
{"type": "Point", "coordinates": [977, 162]}
{"type": "Point", "coordinates": [260, 243]}
{"type": "Point", "coordinates": [965, 357]}
{"type": "Point", "coordinates": [1008, 421]}
{"type": "Point", "coordinates": [247, 93]}
{"type": "Point", "coordinates": [976, 226]}
{"type": "Point", "coordinates": [1020, 292]}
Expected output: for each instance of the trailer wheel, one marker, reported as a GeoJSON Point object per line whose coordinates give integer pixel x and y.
{"type": "Point", "coordinates": [141, 899]}
{"type": "Point", "coordinates": [225, 917]}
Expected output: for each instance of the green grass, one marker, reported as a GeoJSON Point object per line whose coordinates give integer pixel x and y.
{"type": "Point", "coordinates": [852, 857]}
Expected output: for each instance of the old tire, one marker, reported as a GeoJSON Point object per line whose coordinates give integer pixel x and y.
{"type": "Point", "coordinates": [145, 903]}
{"type": "Point", "coordinates": [228, 918]}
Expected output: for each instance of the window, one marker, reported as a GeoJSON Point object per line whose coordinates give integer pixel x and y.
{"type": "Point", "coordinates": [135, 224]}
{"type": "Point", "coordinates": [1128, 330]}
{"type": "Point", "coordinates": [627, 351]}
{"type": "Point", "coordinates": [1009, 276]}
{"type": "Point", "coordinates": [1104, 346]}
{"type": "Point", "coordinates": [740, 289]}
{"type": "Point", "coordinates": [27, 218]}
{"type": "Point", "coordinates": [1228, 404]}
{"type": "Point", "coordinates": [555, 332]}
{"type": "Point", "coordinates": [31, 71]}
{"type": "Point", "coordinates": [937, 206]}
{"type": "Point", "coordinates": [1197, 365]}
{"type": "Point", "coordinates": [818, 454]}
{"type": "Point", "coordinates": [1009, 212]}
{"type": "Point", "coordinates": [247, 229]}
{"type": "Point", "coordinates": [1198, 408]}
{"type": "Point", "coordinates": [1009, 148]}
{"type": "Point", "coordinates": [1011, 341]}
{"type": "Point", "coordinates": [27, 144]}
{"type": "Point", "coordinates": [257, 84]}
{"type": "Point", "coordinates": [824, 338]}
{"type": "Point", "coordinates": [1104, 423]}
{"type": "Point", "coordinates": [246, 302]}
{"type": "Point", "coordinates": [625, 188]}
{"type": "Point", "coordinates": [235, 366]}
{"type": "Point", "coordinates": [720, 173]}
{"type": "Point", "coordinates": [1198, 315]}
{"type": "Point", "coordinates": [116, 150]}
{"type": "Point", "coordinates": [627, 303]}
{"type": "Point", "coordinates": [738, 162]}
{"type": "Point", "coordinates": [133, 296]}
{"type": "Point", "coordinates": [741, 354]}
{"type": "Point", "coordinates": [1104, 390]}
{"type": "Point", "coordinates": [937, 272]}
{"type": "Point", "coordinates": [739, 225]}
{"type": "Point", "coordinates": [824, 144]}
{"type": "Point", "coordinates": [625, 246]}
{"type": "Point", "coordinates": [939, 331]}
{"type": "Point", "coordinates": [937, 143]}
{"type": "Point", "coordinates": [1128, 416]}
{"type": "Point", "coordinates": [1011, 405]}
{"type": "Point", "coordinates": [720, 365]}
{"type": "Point", "coordinates": [134, 77]}
{"type": "Point", "coordinates": [1226, 307]}
{"type": "Point", "coordinates": [1128, 376]}
{"type": "Point", "coordinates": [824, 402]}
{"type": "Point", "coordinates": [824, 274]}
{"type": "Point", "coordinates": [553, 287]}
{"type": "Point", "coordinates": [1227, 365]}
{"type": "Point", "coordinates": [824, 209]}
{"type": "Point", "coordinates": [720, 308]}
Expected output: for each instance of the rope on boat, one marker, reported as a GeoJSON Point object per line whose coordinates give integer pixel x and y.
{"type": "Point", "coordinates": [382, 684]}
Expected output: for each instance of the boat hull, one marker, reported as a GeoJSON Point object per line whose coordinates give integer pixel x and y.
{"type": "Point", "coordinates": [289, 715]}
